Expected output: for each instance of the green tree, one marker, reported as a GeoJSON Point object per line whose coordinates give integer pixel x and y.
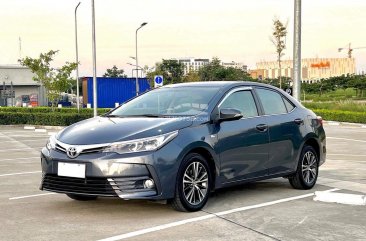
{"type": "Point", "coordinates": [171, 70]}
{"type": "Point", "coordinates": [114, 72]}
{"type": "Point", "coordinates": [192, 76]}
{"type": "Point", "coordinates": [215, 71]}
{"type": "Point", "coordinates": [55, 80]}
{"type": "Point", "coordinates": [359, 83]}
{"type": "Point", "coordinates": [279, 41]}
{"type": "Point", "coordinates": [212, 71]}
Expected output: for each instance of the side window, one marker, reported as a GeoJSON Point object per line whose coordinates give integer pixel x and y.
{"type": "Point", "coordinates": [272, 102]}
{"type": "Point", "coordinates": [288, 104]}
{"type": "Point", "coordinates": [243, 101]}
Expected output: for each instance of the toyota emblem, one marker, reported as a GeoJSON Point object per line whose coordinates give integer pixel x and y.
{"type": "Point", "coordinates": [72, 152]}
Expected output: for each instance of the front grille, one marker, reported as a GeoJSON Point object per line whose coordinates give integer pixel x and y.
{"type": "Point", "coordinates": [90, 185]}
{"type": "Point", "coordinates": [60, 148]}
{"type": "Point", "coordinates": [84, 151]}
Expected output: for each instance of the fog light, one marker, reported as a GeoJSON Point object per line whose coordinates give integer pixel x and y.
{"type": "Point", "coordinates": [149, 183]}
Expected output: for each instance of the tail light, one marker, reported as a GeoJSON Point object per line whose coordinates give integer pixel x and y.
{"type": "Point", "coordinates": [320, 120]}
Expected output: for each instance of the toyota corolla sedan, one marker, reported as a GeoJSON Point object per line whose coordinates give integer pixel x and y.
{"type": "Point", "coordinates": [183, 141]}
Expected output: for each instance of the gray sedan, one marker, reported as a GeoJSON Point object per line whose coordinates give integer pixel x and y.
{"type": "Point", "coordinates": [181, 142]}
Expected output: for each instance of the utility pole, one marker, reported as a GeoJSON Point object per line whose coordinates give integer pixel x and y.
{"type": "Point", "coordinates": [297, 51]}
{"type": "Point", "coordinates": [137, 62]}
{"type": "Point", "coordinates": [94, 63]}
{"type": "Point", "coordinates": [77, 58]}
{"type": "Point", "coordinates": [20, 48]}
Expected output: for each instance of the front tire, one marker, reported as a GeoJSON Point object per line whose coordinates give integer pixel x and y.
{"type": "Point", "coordinates": [307, 170]}
{"type": "Point", "coordinates": [193, 184]}
{"type": "Point", "coordinates": [79, 197]}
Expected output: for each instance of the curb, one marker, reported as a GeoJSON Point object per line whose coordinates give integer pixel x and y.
{"type": "Point", "coordinates": [33, 127]}
{"type": "Point", "coordinates": [336, 123]}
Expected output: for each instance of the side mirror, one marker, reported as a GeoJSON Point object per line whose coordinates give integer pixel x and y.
{"type": "Point", "coordinates": [230, 114]}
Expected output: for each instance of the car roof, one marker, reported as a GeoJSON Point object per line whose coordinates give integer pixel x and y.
{"type": "Point", "coordinates": [226, 85]}
{"type": "Point", "coordinates": [222, 84]}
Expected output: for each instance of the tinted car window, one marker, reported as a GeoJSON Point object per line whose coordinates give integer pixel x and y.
{"type": "Point", "coordinates": [271, 101]}
{"type": "Point", "coordinates": [169, 101]}
{"type": "Point", "coordinates": [243, 101]}
{"type": "Point", "coordinates": [289, 105]}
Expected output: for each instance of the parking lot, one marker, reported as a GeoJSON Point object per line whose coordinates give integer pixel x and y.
{"type": "Point", "coordinates": [266, 210]}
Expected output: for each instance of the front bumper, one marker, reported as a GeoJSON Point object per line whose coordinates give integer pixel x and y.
{"type": "Point", "coordinates": [106, 174]}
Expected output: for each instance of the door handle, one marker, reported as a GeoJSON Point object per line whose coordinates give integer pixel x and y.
{"type": "Point", "coordinates": [262, 127]}
{"type": "Point", "coordinates": [299, 121]}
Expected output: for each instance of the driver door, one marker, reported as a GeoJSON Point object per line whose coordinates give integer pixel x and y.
{"type": "Point", "coordinates": [243, 144]}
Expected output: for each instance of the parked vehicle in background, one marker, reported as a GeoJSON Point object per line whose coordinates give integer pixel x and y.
{"type": "Point", "coordinates": [181, 142]}
{"type": "Point", "coordinates": [22, 100]}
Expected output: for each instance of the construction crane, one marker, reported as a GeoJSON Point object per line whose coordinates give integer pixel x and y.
{"type": "Point", "coordinates": [349, 49]}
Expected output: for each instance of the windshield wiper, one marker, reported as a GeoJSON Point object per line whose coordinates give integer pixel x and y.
{"type": "Point", "coordinates": [148, 115]}
{"type": "Point", "coordinates": [113, 116]}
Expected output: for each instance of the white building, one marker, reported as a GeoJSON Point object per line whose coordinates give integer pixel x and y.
{"type": "Point", "coordinates": [313, 69]}
{"type": "Point", "coordinates": [235, 65]}
{"type": "Point", "coordinates": [20, 79]}
{"type": "Point", "coordinates": [192, 64]}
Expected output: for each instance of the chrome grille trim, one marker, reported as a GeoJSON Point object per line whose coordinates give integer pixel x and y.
{"type": "Point", "coordinates": [81, 149]}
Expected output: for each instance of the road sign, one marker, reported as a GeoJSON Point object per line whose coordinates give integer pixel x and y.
{"type": "Point", "coordinates": [158, 81]}
{"type": "Point", "coordinates": [289, 91]}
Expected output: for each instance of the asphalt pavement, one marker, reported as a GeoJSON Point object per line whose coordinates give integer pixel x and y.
{"type": "Point", "coordinates": [266, 210]}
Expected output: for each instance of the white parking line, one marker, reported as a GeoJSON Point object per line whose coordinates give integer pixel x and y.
{"type": "Point", "coordinates": [18, 173]}
{"type": "Point", "coordinates": [35, 195]}
{"type": "Point", "coordinates": [20, 158]}
{"type": "Point", "coordinates": [18, 149]}
{"type": "Point", "coordinates": [20, 141]}
{"type": "Point", "coordinates": [29, 127]}
{"type": "Point", "coordinates": [330, 154]}
{"type": "Point", "coordinates": [30, 136]}
{"type": "Point", "coordinates": [191, 220]}
{"type": "Point", "coordinates": [346, 139]}
{"type": "Point", "coordinates": [40, 130]}
{"type": "Point", "coordinates": [342, 198]}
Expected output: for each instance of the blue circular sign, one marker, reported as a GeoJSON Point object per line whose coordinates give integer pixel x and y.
{"type": "Point", "coordinates": [158, 79]}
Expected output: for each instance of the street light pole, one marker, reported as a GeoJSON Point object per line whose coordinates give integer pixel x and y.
{"type": "Point", "coordinates": [77, 59]}
{"type": "Point", "coordinates": [297, 51]}
{"type": "Point", "coordinates": [94, 62]}
{"type": "Point", "coordinates": [137, 62]}
{"type": "Point", "coordinates": [136, 68]}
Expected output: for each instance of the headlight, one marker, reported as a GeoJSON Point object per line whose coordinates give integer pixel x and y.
{"type": "Point", "coordinates": [146, 144]}
{"type": "Point", "coordinates": [51, 143]}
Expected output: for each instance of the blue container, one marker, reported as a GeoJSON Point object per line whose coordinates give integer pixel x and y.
{"type": "Point", "coordinates": [114, 90]}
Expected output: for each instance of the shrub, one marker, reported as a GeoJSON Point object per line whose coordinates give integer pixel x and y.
{"type": "Point", "coordinates": [342, 116]}
{"type": "Point", "coordinates": [337, 105]}
{"type": "Point", "coordinates": [50, 118]}
{"type": "Point", "coordinates": [49, 110]}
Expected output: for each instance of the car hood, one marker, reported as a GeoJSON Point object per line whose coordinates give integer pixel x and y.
{"type": "Point", "coordinates": [108, 129]}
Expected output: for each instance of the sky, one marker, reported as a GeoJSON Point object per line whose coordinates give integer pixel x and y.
{"type": "Point", "coordinates": [233, 30]}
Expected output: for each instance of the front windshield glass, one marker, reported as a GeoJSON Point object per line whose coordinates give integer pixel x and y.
{"type": "Point", "coordinates": [178, 101]}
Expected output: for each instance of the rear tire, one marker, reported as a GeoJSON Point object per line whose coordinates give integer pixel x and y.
{"type": "Point", "coordinates": [193, 184]}
{"type": "Point", "coordinates": [307, 170]}
{"type": "Point", "coordinates": [80, 197]}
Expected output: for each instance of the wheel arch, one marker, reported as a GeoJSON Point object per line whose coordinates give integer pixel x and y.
{"type": "Point", "coordinates": [314, 144]}
{"type": "Point", "coordinates": [208, 153]}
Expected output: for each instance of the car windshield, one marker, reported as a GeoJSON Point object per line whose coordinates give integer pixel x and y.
{"type": "Point", "coordinates": [165, 102]}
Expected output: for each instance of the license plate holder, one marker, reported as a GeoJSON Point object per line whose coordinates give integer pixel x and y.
{"type": "Point", "coordinates": [71, 169]}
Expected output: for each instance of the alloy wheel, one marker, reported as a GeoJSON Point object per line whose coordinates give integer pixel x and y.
{"type": "Point", "coordinates": [195, 183]}
{"type": "Point", "coordinates": [309, 167]}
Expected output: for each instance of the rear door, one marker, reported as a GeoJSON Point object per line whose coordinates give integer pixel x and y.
{"type": "Point", "coordinates": [286, 128]}
{"type": "Point", "coordinates": [242, 144]}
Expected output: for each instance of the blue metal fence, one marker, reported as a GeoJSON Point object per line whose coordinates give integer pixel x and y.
{"type": "Point", "coordinates": [113, 90]}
